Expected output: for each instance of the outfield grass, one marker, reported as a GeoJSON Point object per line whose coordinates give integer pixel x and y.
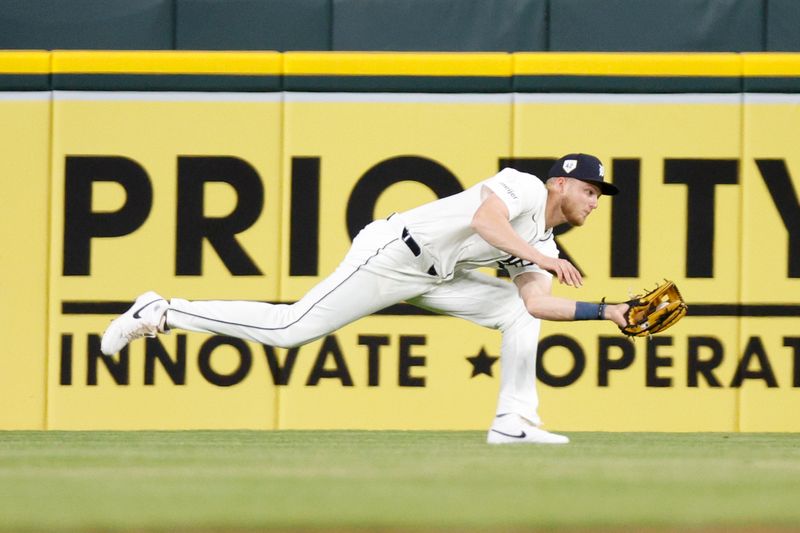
{"type": "Point", "coordinates": [249, 480]}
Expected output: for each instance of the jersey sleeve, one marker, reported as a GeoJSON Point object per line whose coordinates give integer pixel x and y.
{"type": "Point", "coordinates": [520, 192]}
{"type": "Point", "coordinates": [548, 247]}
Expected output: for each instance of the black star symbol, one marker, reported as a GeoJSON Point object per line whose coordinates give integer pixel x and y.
{"type": "Point", "coordinates": [482, 363]}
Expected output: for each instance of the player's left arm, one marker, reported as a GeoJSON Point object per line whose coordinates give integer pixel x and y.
{"type": "Point", "coordinates": [535, 289]}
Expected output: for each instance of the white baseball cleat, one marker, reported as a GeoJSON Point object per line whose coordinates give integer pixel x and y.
{"type": "Point", "coordinates": [513, 429]}
{"type": "Point", "coordinates": [143, 319]}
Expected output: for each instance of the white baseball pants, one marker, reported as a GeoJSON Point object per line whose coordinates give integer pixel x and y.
{"type": "Point", "coordinates": [381, 270]}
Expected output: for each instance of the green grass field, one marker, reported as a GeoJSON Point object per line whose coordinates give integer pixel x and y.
{"type": "Point", "coordinates": [395, 481]}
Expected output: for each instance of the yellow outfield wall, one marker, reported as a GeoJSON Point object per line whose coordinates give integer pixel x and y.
{"type": "Point", "coordinates": [162, 172]}
{"type": "Point", "coordinates": [637, 136]}
{"type": "Point", "coordinates": [215, 192]}
{"type": "Point", "coordinates": [24, 236]}
{"type": "Point", "coordinates": [771, 257]}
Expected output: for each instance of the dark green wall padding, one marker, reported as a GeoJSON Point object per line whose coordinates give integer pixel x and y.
{"type": "Point", "coordinates": [402, 25]}
{"type": "Point", "coordinates": [656, 25]}
{"type": "Point", "coordinates": [783, 22]}
{"type": "Point", "coordinates": [86, 24]}
{"type": "Point", "coordinates": [253, 25]}
{"type": "Point", "coordinates": [440, 25]}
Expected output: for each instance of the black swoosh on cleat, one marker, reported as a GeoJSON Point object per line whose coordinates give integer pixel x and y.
{"type": "Point", "coordinates": [136, 313]}
{"type": "Point", "coordinates": [520, 436]}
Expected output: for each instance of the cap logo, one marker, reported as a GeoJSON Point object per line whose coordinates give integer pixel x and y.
{"type": "Point", "coordinates": [602, 170]}
{"type": "Point", "coordinates": [570, 165]}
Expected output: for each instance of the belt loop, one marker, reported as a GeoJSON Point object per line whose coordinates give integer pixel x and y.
{"type": "Point", "coordinates": [411, 243]}
{"type": "Point", "coordinates": [415, 249]}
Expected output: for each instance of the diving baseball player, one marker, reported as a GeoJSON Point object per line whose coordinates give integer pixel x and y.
{"type": "Point", "coordinates": [427, 256]}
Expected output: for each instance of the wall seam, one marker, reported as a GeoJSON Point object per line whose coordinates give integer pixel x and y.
{"type": "Point", "coordinates": [547, 12]}
{"type": "Point", "coordinates": [174, 5]}
{"type": "Point", "coordinates": [282, 169]}
{"type": "Point", "coordinates": [740, 231]}
{"type": "Point", "coordinates": [48, 247]}
{"type": "Point", "coordinates": [331, 14]}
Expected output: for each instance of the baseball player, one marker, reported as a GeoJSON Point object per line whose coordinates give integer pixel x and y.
{"type": "Point", "coordinates": [427, 256]}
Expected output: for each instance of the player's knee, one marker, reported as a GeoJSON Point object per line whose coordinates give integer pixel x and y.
{"type": "Point", "coordinates": [285, 327]}
{"type": "Point", "coordinates": [293, 337]}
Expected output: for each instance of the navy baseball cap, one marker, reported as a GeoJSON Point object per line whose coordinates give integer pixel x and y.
{"type": "Point", "coordinates": [583, 167]}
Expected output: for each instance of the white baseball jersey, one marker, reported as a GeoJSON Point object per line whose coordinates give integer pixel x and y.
{"type": "Point", "coordinates": [390, 262]}
{"type": "Point", "coordinates": [442, 227]}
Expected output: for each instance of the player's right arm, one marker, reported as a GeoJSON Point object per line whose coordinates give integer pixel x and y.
{"type": "Point", "coordinates": [535, 290]}
{"type": "Point", "coordinates": [491, 222]}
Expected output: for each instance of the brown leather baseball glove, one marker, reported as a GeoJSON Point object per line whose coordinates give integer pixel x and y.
{"type": "Point", "coordinates": [655, 311]}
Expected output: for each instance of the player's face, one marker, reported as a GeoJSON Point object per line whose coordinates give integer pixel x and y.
{"type": "Point", "coordinates": [580, 200]}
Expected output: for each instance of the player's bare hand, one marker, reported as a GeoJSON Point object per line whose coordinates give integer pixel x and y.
{"type": "Point", "coordinates": [563, 270]}
{"type": "Point", "coordinates": [616, 314]}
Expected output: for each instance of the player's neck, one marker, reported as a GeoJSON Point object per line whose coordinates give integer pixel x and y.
{"type": "Point", "coordinates": [553, 213]}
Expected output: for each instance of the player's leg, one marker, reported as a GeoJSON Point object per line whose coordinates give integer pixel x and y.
{"type": "Point", "coordinates": [358, 287]}
{"type": "Point", "coordinates": [495, 303]}
{"type": "Point", "coordinates": [378, 271]}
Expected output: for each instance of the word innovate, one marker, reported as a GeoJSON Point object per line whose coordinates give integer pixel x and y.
{"type": "Point", "coordinates": [705, 358]}
{"type": "Point", "coordinates": [330, 362]}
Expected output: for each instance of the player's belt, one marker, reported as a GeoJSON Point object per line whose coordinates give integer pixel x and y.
{"type": "Point", "coordinates": [415, 249]}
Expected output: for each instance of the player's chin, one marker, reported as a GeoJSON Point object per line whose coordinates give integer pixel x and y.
{"type": "Point", "coordinates": [576, 220]}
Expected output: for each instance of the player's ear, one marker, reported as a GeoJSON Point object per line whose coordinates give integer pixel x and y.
{"type": "Point", "coordinates": [556, 184]}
